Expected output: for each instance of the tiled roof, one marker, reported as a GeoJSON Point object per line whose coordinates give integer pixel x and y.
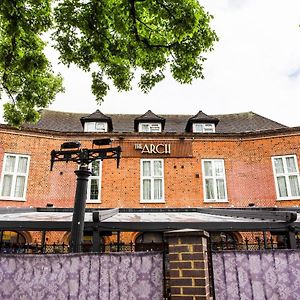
{"type": "Point", "coordinates": [229, 123]}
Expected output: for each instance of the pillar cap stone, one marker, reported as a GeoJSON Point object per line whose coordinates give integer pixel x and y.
{"type": "Point", "coordinates": [187, 232]}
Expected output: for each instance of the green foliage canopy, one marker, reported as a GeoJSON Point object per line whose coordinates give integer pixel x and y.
{"type": "Point", "coordinates": [113, 37]}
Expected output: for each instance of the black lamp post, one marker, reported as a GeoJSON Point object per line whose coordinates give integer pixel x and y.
{"type": "Point", "coordinates": [71, 151]}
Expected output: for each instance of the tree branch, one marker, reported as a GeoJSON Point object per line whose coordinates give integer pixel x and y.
{"type": "Point", "coordinates": [166, 8]}
{"type": "Point", "coordinates": [135, 31]}
{"type": "Point", "coordinates": [133, 15]}
{"type": "Point", "coordinates": [145, 24]}
{"type": "Point", "coordinates": [7, 90]}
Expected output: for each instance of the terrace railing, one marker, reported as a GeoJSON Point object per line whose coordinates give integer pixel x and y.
{"type": "Point", "coordinates": [258, 244]}
{"type": "Point", "coordinates": [37, 248]}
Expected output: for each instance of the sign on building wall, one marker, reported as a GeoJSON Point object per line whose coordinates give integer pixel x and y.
{"type": "Point", "coordinates": [156, 149]}
{"type": "Point", "coordinates": [153, 148]}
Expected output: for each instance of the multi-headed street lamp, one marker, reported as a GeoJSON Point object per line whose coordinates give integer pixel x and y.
{"type": "Point", "coordinates": [71, 151]}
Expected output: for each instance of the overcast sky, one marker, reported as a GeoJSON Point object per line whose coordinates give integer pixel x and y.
{"type": "Point", "coordinates": [255, 67]}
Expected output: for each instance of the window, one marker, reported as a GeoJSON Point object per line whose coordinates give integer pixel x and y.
{"type": "Point", "coordinates": [95, 126]}
{"type": "Point", "coordinates": [214, 181]}
{"type": "Point", "coordinates": [203, 127]}
{"type": "Point", "coordinates": [94, 184]}
{"type": "Point", "coordinates": [149, 127]}
{"type": "Point", "coordinates": [152, 180]}
{"type": "Point", "coordinates": [286, 176]}
{"type": "Point", "coordinates": [223, 241]}
{"type": "Point", "coordinates": [14, 176]}
{"type": "Point", "coordinates": [149, 241]}
{"type": "Point", "coordinates": [149, 237]}
{"type": "Point", "coordinates": [8, 238]}
{"type": "Point", "coordinates": [87, 242]}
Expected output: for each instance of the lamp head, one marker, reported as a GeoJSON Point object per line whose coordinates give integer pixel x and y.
{"type": "Point", "coordinates": [70, 145]}
{"type": "Point", "coordinates": [102, 142]}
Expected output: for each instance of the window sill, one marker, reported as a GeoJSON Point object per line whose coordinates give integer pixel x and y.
{"type": "Point", "coordinates": [205, 132]}
{"type": "Point", "coordinates": [92, 202]}
{"type": "Point", "coordinates": [149, 132]}
{"type": "Point", "coordinates": [288, 198]}
{"type": "Point", "coordinates": [12, 199]}
{"type": "Point", "coordinates": [216, 201]}
{"type": "Point", "coordinates": [152, 201]}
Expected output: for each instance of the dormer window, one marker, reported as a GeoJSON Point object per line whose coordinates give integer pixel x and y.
{"type": "Point", "coordinates": [95, 127]}
{"type": "Point", "coordinates": [149, 122]}
{"type": "Point", "coordinates": [149, 127]}
{"type": "Point", "coordinates": [202, 123]}
{"type": "Point", "coordinates": [202, 127]}
{"type": "Point", "coordinates": [96, 122]}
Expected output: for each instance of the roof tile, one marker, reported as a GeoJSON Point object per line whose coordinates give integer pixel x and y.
{"type": "Point", "coordinates": [229, 123]}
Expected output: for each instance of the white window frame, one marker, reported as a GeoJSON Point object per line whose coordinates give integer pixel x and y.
{"type": "Point", "coordinates": [92, 127]}
{"type": "Point", "coordinates": [152, 177]}
{"type": "Point", "coordinates": [206, 128]}
{"type": "Point", "coordinates": [99, 178]}
{"type": "Point", "coordinates": [214, 177]}
{"type": "Point", "coordinates": [14, 174]}
{"type": "Point", "coordinates": [151, 127]}
{"type": "Point", "coordinates": [286, 175]}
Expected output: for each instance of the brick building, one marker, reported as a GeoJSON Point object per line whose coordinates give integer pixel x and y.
{"type": "Point", "coordinates": [235, 160]}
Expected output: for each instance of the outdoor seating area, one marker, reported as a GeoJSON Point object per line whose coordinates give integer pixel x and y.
{"type": "Point", "coordinates": [245, 229]}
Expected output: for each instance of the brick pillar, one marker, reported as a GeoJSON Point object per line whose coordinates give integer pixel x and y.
{"type": "Point", "coordinates": [189, 277]}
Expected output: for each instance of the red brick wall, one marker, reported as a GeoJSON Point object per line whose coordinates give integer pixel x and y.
{"type": "Point", "coordinates": [248, 166]}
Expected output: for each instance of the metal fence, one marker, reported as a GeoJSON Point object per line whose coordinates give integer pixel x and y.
{"type": "Point", "coordinates": [36, 248]}
{"type": "Point", "coordinates": [257, 244]}
{"type": "Point", "coordinates": [33, 248]}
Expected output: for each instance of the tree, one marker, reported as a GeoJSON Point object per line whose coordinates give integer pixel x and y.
{"type": "Point", "coordinates": [114, 37]}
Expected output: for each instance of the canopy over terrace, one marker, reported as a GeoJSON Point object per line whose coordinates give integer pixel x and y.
{"type": "Point", "coordinates": [155, 219]}
{"type": "Point", "coordinates": [102, 221]}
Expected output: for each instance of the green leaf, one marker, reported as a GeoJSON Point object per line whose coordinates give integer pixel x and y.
{"type": "Point", "coordinates": [115, 36]}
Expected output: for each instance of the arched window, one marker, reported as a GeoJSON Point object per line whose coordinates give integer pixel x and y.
{"type": "Point", "coordinates": [87, 242]}
{"type": "Point", "coordinates": [12, 242]}
{"type": "Point", "coordinates": [8, 238]}
{"type": "Point", "coordinates": [223, 240]}
{"type": "Point", "coordinates": [222, 237]}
